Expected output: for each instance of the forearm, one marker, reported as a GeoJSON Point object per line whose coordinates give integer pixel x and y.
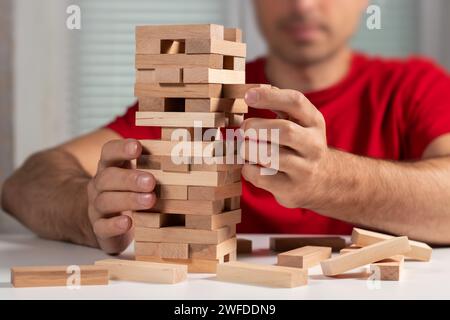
{"type": "Point", "coordinates": [398, 197]}
{"type": "Point", "coordinates": [48, 195]}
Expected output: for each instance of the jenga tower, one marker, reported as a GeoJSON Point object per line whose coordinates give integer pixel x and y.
{"type": "Point", "coordinates": [186, 75]}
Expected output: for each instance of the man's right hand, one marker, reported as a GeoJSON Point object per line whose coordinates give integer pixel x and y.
{"type": "Point", "coordinates": [115, 191]}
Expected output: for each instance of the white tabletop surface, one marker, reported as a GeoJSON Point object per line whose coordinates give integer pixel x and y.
{"type": "Point", "coordinates": [421, 280]}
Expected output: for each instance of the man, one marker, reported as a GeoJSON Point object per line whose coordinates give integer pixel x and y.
{"type": "Point", "coordinates": [363, 142]}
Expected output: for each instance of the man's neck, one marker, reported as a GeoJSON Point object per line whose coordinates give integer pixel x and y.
{"type": "Point", "coordinates": [308, 78]}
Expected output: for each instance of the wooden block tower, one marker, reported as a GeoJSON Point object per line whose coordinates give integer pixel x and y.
{"type": "Point", "coordinates": [186, 75]}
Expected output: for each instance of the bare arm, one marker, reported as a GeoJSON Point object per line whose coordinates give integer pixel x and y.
{"type": "Point", "coordinates": [407, 198]}
{"type": "Point", "coordinates": [81, 191]}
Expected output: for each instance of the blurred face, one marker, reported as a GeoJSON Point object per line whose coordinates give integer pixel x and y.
{"type": "Point", "coordinates": [304, 32]}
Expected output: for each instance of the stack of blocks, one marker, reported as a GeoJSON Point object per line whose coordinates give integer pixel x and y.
{"type": "Point", "coordinates": [188, 74]}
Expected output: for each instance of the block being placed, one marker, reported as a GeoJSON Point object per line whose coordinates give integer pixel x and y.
{"type": "Point", "coordinates": [419, 250]}
{"type": "Point", "coordinates": [304, 257]}
{"type": "Point", "coordinates": [131, 270]}
{"type": "Point", "coordinates": [57, 276]}
{"type": "Point", "coordinates": [372, 253]}
{"type": "Point", "coordinates": [262, 275]}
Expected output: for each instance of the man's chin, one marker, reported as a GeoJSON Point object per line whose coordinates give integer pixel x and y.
{"type": "Point", "coordinates": [303, 57]}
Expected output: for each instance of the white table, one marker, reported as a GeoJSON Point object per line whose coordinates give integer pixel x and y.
{"type": "Point", "coordinates": [421, 280]}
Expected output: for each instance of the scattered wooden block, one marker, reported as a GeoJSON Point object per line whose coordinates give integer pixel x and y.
{"type": "Point", "coordinates": [161, 104]}
{"type": "Point", "coordinates": [181, 119]}
{"type": "Point", "coordinates": [191, 178]}
{"type": "Point", "coordinates": [419, 250]}
{"type": "Point", "coordinates": [191, 31]}
{"type": "Point", "coordinates": [131, 270]}
{"type": "Point", "coordinates": [167, 75]}
{"type": "Point", "coordinates": [183, 235]}
{"type": "Point", "coordinates": [216, 105]}
{"type": "Point", "coordinates": [213, 222]}
{"type": "Point", "coordinates": [193, 265]}
{"type": "Point", "coordinates": [192, 148]}
{"type": "Point", "coordinates": [366, 255]}
{"type": "Point", "coordinates": [157, 220]}
{"type": "Point", "coordinates": [232, 34]}
{"type": "Point", "coordinates": [237, 91]}
{"type": "Point", "coordinates": [57, 276]}
{"type": "Point", "coordinates": [244, 246]}
{"type": "Point", "coordinates": [162, 249]}
{"type": "Point", "coordinates": [212, 251]}
{"type": "Point", "coordinates": [234, 63]}
{"type": "Point", "coordinates": [215, 193]}
{"type": "Point", "coordinates": [153, 61]}
{"type": "Point", "coordinates": [223, 47]}
{"type": "Point", "coordinates": [349, 249]}
{"type": "Point", "coordinates": [207, 75]}
{"type": "Point", "coordinates": [271, 276]}
{"type": "Point", "coordinates": [290, 243]}
{"type": "Point", "coordinates": [389, 269]}
{"type": "Point", "coordinates": [304, 257]}
{"type": "Point", "coordinates": [188, 207]}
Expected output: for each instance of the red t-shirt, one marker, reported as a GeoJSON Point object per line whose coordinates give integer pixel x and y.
{"type": "Point", "coordinates": [385, 109]}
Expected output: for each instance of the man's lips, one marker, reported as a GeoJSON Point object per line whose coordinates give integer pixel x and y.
{"type": "Point", "coordinates": [303, 32]}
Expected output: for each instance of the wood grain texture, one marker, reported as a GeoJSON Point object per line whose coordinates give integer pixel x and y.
{"type": "Point", "coordinates": [162, 249]}
{"type": "Point", "coordinates": [156, 220]}
{"type": "Point", "coordinates": [304, 257]}
{"type": "Point", "coordinates": [131, 270]}
{"type": "Point", "coordinates": [419, 251]}
{"type": "Point", "coordinates": [262, 275]}
{"type": "Point", "coordinates": [161, 104]}
{"type": "Point", "coordinates": [193, 265]}
{"type": "Point", "coordinates": [390, 269]}
{"type": "Point", "coordinates": [153, 61]}
{"type": "Point", "coordinates": [212, 251]}
{"type": "Point", "coordinates": [175, 32]}
{"type": "Point", "coordinates": [193, 149]}
{"type": "Point", "coordinates": [167, 75]}
{"type": "Point", "coordinates": [372, 253]}
{"type": "Point", "coordinates": [57, 276]}
{"type": "Point", "coordinates": [189, 207]}
{"type": "Point", "coordinates": [232, 34]}
{"type": "Point", "coordinates": [215, 193]}
{"type": "Point", "coordinates": [208, 75]}
{"type": "Point", "coordinates": [193, 178]}
{"type": "Point", "coordinates": [290, 243]}
{"type": "Point", "coordinates": [223, 47]}
{"type": "Point", "coordinates": [216, 105]}
{"type": "Point", "coordinates": [237, 91]}
{"type": "Point", "coordinates": [213, 222]}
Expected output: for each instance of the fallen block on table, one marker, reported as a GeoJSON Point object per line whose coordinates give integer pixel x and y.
{"type": "Point", "coordinates": [304, 257]}
{"type": "Point", "coordinates": [131, 270]}
{"type": "Point", "coordinates": [290, 243]}
{"type": "Point", "coordinates": [244, 246]}
{"type": "Point", "coordinates": [366, 255]}
{"type": "Point", "coordinates": [57, 276]}
{"type": "Point", "coordinates": [348, 249]}
{"type": "Point", "coordinates": [262, 275]}
{"type": "Point", "coordinates": [419, 250]}
{"type": "Point", "coordinates": [389, 269]}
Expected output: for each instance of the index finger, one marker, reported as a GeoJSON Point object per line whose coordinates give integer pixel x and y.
{"type": "Point", "coordinates": [115, 152]}
{"type": "Point", "coordinates": [291, 102]}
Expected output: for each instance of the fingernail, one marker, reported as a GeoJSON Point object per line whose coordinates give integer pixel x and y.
{"type": "Point", "coordinates": [123, 223]}
{"type": "Point", "coordinates": [143, 181]}
{"type": "Point", "coordinates": [251, 97]}
{"type": "Point", "coordinates": [144, 199]}
{"type": "Point", "coordinates": [131, 148]}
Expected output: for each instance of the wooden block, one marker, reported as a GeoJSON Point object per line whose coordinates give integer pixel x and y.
{"type": "Point", "coordinates": [148, 46]}
{"type": "Point", "coordinates": [131, 270]}
{"type": "Point", "coordinates": [168, 165]}
{"type": "Point", "coordinates": [389, 269]}
{"type": "Point", "coordinates": [161, 104]}
{"type": "Point", "coordinates": [237, 91]}
{"type": "Point", "coordinates": [366, 255]}
{"type": "Point", "coordinates": [191, 178]}
{"type": "Point", "coordinates": [220, 165]}
{"type": "Point", "coordinates": [153, 61]}
{"type": "Point", "coordinates": [190, 31]}
{"type": "Point", "coordinates": [234, 63]}
{"type": "Point", "coordinates": [234, 120]}
{"type": "Point", "coordinates": [233, 203]}
{"type": "Point", "coordinates": [304, 257]}
{"type": "Point", "coordinates": [223, 47]}
{"type": "Point", "coordinates": [419, 251]}
{"type": "Point", "coordinates": [213, 222]}
{"type": "Point", "coordinates": [232, 34]}
{"type": "Point", "coordinates": [168, 75]}
{"type": "Point", "coordinates": [187, 134]}
{"type": "Point", "coordinates": [151, 249]}
{"type": "Point", "coordinates": [146, 76]}
{"type": "Point", "coordinates": [262, 275]}
{"type": "Point", "coordinates": [162, 249]}
{"type": "Point", "coordinates": [349, 249]}
{"type": "Point", "coordinates": [191, 148]}
{"type": "Point", "coordinates": [216, 105]}
{"type": "Point", "coordinates": [172, 47]}
{"type": "Point", "coordinates": [193, 265]}
{"type": "Point", "coordinates": [207, 75]}
{"type": "Point", "coordinates": [212, 251]}
{"type": "Point", "coordinates": [183, 235]}
{"type": "Point", "coordinates": [244, 246]}
{"type": "Point", "coordinates": [215, 193]}
{"type": "Point", "coordinates": [156, 220]}
{"type": "Point", "coordinates": [290, 243]}
{"type": "Point", "coordinates": [181, 119]}
{"type": "Point", "coordinates": [57, 276]}
{"type": "Point", "coordinates": [188, 207]}
{"type": "Point", "coordinates": [171, 192]}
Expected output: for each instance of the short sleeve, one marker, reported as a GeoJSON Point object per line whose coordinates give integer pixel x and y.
{"type": "Point", "coordinates": [125, 126]}
{"type": "Point", "coordinates": [428, 112]}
